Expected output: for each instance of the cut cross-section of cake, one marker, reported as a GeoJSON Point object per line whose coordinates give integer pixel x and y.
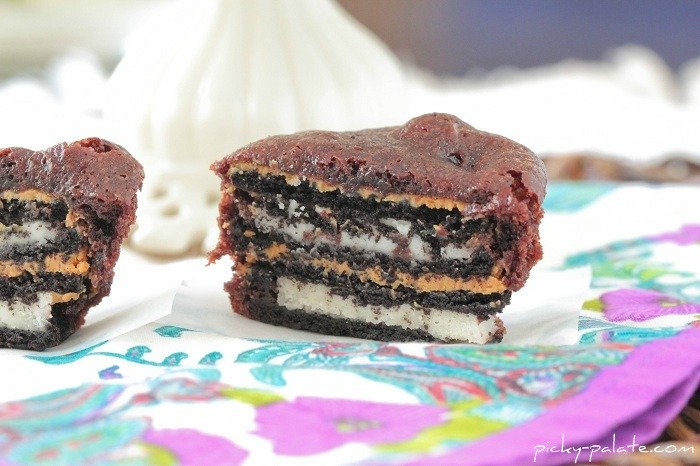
{"type": "Point", "coordinates": [63, 215]}
{"type": "Point", "coordinates": [418, 232]}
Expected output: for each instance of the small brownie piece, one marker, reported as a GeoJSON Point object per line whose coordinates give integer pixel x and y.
{"type": "Point", "coordinates": [63, 215]}
{"type": "Point", "coordinates": [418, 232]}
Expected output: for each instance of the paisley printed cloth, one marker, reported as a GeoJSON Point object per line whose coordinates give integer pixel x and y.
{"type": "Point", "coordinates": [169, 394]}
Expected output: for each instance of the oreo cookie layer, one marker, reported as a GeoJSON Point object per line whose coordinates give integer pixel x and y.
{"type": "Point", "coordinates": [17, 211]}
{"type": "Point", "coordinates": [368, 293]}
{"type": "Point", "coordinates": [26, 286]}
{"type": "Point", "coordinates": [63, 240]}
{"type": "Point", "coordinates": [23, 339]}
{"type": "Point", "coordinates": [66, 318]}
{"type": "Point", "coordinates": [271, 189]}
{"type": "Point", "coordinates": [263, 308]}
{"type": "Point", "coordinates": [281, 316]}
{"type": "Point", "coordinates": [479, 265]}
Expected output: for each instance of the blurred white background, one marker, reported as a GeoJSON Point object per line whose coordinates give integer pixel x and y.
{"type": "Point", "coordinates": [55, 56]}
{"type": "Point", "coordinates": [195, 80]}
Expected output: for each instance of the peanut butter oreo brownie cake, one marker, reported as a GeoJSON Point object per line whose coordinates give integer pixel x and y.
{"type": "Point", "coordinates": [418, 232]}
{"type": "Point", "coordinates": [63, 215]}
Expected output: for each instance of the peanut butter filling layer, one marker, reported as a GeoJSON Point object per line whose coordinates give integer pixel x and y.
{"type": "Point", "coordinates": [39, 196]}
{"type": "Point", "coordinates": [27, 195]}
{"type": "Point", "coordinates": [73, 264]}
{"type": "Point", "coordinates": [69, 264]}
{"type": "Point", "coordinates": [276, 250]}
{"type": "Point", "coordinates": [428, 282]}
{"type": "Point", "coordinates": [64, 298]}
{"type": "Point", "coordinates": [367, 193]}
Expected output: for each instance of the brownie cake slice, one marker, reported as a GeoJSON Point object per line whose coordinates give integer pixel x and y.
{"type": "Point", "coordinates": [418, 232]}
{"type": "Point", "coordinates": [63, 215]}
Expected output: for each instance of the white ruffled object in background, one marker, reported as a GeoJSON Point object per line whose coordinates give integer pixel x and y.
{"type": "Point", "coordinates": [182, 98]}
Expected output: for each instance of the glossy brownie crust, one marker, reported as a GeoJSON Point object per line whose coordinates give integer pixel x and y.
{"type": "Point", "coordinates": [98, 181]}
{"type": "Point", "coordinates": [435, 155]}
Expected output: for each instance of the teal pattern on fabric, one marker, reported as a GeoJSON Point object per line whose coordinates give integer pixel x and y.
{"type": "Point", "coordinates": [135, 354]}
{"type": "Point", "coordinates": [211, 359]}
{"type": "Point", "coordinates": [171, 331]}
{"type": "Point", "coordinates": [79, 443]}
{"type": "Point", "coordinates": [624, 269]}
{"type": "Point", "coordinates": [101, 423]}
{"type": "Point", "coordinates": [66, 358]}
{"type": "Point", "coordinates": [441, 374]}
{"type": "Point", "coordinates": [593, 330]}
{"type": "Point", "coordinates": [95, 424]}
{"type": "Point", "coordinates": [444, 373]}
{"type": "Point", "coordinates": [630, 263]}
{"type": "Point", "coordinates": [599, 330]}
{"type": "Point", "coordinates": [571, 196]}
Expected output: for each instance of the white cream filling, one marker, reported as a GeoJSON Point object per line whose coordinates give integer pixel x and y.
{"type": "Point", "coordinates": [296, 231]}
{"type": "Point", "coordinates": [418, 248]}
{"type": "Point", "coordinates": [307, 233]}
{"type": "Point", "coordinates": [445, 325]}
{"type": "Point", "coordinates": [452, 252]}
{"type": "Point", "coordinates": [304, 232]}
{"type": "Point", "coordinates": [362, 242]}
{"type": "Point", "coordinates": [31, 233]}
{"type": "Point", "coordinates": [402, 226]}
{"type": "Point", "coordinates": [33, 317]}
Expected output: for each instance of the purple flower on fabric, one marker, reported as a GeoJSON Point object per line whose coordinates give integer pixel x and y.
{"type": "Point", "coordinates": [309, 426]}
{"type": "Point", "coordinates": [640, 305]}
{"type": "Point", "coordinates": [192, 447]}
{"type": "Point", "coordinates": [688, 234]}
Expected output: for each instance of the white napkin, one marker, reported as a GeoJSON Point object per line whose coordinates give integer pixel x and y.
{"type": "Point", "coordinates": [544, 312]}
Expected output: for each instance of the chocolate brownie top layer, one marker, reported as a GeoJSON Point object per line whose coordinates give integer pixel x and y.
{"type": "Point", "coordinates": [435, 155]}
{"type": "Point", "coordinates": [90, 172]}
